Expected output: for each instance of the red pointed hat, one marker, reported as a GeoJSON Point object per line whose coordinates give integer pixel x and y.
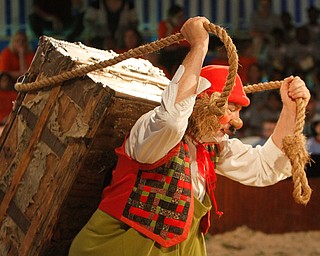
{"type": "Point", "coordinates": [217, 76]}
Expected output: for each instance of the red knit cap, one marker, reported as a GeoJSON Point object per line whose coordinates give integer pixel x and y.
{"type": "Point", "coordinates": [217, 76]}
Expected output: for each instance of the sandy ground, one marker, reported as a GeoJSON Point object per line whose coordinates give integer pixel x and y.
{"type": "Point", "coordinates": [246, 242]}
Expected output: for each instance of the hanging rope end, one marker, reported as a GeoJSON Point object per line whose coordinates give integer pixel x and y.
{"type": "Point", "coordinates": [302, 197]}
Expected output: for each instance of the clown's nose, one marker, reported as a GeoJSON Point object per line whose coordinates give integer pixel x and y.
{"type": "Point", "coordinates": [236, 123]}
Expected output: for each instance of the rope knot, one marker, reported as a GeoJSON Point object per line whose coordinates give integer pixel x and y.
{"type": "Point", "coordinates": [213, 106]}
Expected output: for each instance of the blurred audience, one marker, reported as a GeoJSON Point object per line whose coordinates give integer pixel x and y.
{"type": "Point", "coordinates": [246, 60]}
{"type": "Point", "coordinates": [172, 56]}
{"type": "Point", "coordinates": [313, 24]}
{"type": "Point", "coordinates": [268, 126]}
{"type": "Point", "coordinates": [288, 27]}
{"type": "Point", "coordinates": [173, 23]}
{"type": "Point", "coordinates": [313, 142]}
{"type": "Point", "coordinates": [105, 22]}
{"type": "Point", "coordinates": [314, 85]}
{"type": "Point", "coordinates": [303, 53]}
{"type": "Point", "coordinates": [218, 52]}
{"type": "Point", "coordinates": [313, 147]}
{"type": "Point", "coordinates": [256, 74]}
{"type": "Point", "coordinates": [276, 53]}
{"type": "Point", "coordinates": [262, 22]}
{"type": "Point", "coordinates": [257, 100]}
{"type": "Point", "coordinates": [311, 114]}
{"type": "Point", "coordinates": [7, 96]}
{"type": "Point", "coordinates": [57, 17]}
{"type": "Point", "coordinates": [132, 38]}
{"type": "Point", "coordinates": [16, 58]}
{"type": "Point", "coordinates": [256, 114]}
{"type": "Point", "coordinates": [154, 57]}
{"type": "Point", "coordinates": [6, 82]}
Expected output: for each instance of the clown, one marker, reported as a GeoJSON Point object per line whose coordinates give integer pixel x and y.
{"type": "Point", "coordinates": [162, 190]}
{"type": "Point", "coordinates": [202, 121]}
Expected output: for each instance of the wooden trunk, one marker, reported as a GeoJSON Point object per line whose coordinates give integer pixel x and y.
{"type": "Point", "coordinates": [59, 143]}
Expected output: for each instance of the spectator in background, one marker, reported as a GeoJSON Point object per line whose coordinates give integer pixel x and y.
{"type": "Point", "coordinates": [313, 23]}
{"type": "Point", "coordinates": [171, 56]}
{"type": "Point", "coordinates": [217, 54]}
{"type": "Point", "coordinates": [257, 114]}
{"type": "Point", "coordinates": [276, 53]}
{"type": "Point", "coordinates": [6, 82]}
{"type": "Point", "coordinates": [154, 57]}
{"type": "Point", "coordinates": [311, 113]}
{"type": "Point", "coordinates": [261, 23]}
{"type": "Point", "coordinates": [289, 28]}
{"type": "Point", "coordinates": [277, 75]}
{"type": "Point", "coordinates": [7, 96]}
{"type": "Point", "coordinates": [268, 126]}
{"type": "Point", "coordinates": [315, 84]}
{"type": "Point", "coordinates": [313, 146]}
{"type": "Point", "coordinates": [256, 75]}
{"type": "Point", "coordinates": [246, 60]}
{"type": "Point", "coordinates": [77, 10]}
{"type": "Point", "coordinates": [61, 17]}
{"type": "Point", "coordinates": [132, 38]}
{"type": "Point", "coordinates": [16, 58]}
{"type": "Point", "coordinates": [303, 52]}
{"type": "Point", "coordinates": [313, 142]}
{"type": "Point", "coordinates": [173, 23]}
{"type": "Point", "coordinates": [105, 22]}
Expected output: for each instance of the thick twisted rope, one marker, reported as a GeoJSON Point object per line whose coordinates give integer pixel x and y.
{"type": "Point", "coordinates": [140, 51]}
{"type": "Point", "coordinates": [294, 146]}
{"type": "Point", "coordinates": [81, 71]}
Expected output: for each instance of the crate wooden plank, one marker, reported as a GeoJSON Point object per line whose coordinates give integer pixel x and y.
{"type": "Point", "coordinates": [26, 157]}
{"type": "Point", "coordinates": [60, 141]}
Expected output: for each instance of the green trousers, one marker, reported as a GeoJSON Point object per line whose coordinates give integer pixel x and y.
{"type": "Point", "coordinates": [107, 236]}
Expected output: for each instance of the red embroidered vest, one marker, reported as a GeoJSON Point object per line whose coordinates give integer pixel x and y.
{"type": "Point", "coordinates": [157, 199]}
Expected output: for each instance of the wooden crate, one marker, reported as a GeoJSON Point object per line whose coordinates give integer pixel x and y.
{"type": "Point", "coordinates": [59, 143]}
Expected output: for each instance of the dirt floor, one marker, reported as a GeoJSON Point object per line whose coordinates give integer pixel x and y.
{"type": "Point", "coordinates": [246, 242]}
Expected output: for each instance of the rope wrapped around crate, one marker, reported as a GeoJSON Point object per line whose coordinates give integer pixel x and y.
{"type": "Point", "coordinates": [293, 145]}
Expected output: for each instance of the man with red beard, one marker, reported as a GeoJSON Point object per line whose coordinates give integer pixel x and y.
{"type": "Point", "coordinates": [161, 192]}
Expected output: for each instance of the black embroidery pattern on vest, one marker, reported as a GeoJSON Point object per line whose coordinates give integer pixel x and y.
{"type": "Point", "coordinates": [161, 198]}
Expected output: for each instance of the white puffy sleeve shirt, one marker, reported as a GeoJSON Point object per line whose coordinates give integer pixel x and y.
{"type": "Point", "coordinates": [158, 131]}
